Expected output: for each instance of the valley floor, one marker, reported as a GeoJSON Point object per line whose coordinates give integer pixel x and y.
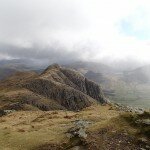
{"type": "Point", "coordinates": [39, 130]}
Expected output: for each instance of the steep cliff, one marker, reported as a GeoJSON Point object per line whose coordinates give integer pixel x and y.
{"type": "Point", "coordinates": [68, 87]}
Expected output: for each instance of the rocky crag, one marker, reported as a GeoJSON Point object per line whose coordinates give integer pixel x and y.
{"type": "Point", "coordinates": [54, 89]}
{"type": "Point", "coordinates": [67, 87]}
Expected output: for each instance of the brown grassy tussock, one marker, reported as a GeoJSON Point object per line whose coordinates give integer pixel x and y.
{"type": "Point", "coordinates": [28, 129]}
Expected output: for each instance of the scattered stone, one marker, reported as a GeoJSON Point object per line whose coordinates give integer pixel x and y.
{"type": "Point", "coordinates": [75, 148]}
{"type": "Point", "coordinates": [146, 121]}
{"type": "Point", "coordinates": [9, 111]}
{"type": "Point", "coordinates": [121, 107]}
{"type": "Point", "coordinates": [143, 140]}
{"type": "Point", "coordinates": [79, 129]}
{"type": "Point", "coordinates": [143, 121]}
{"type": "Point", "coordinates": [147, 146]}
{"type": "Point", "coordinates": [82, 123]}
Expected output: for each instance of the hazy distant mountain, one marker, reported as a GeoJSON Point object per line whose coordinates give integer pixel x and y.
{"type": "Point", "coordinates": [8, 67]}
{"type": "Point", "coordinates": [126, 87]}
{"type": "Point", "coordinates": [19, 64]}
{"type": "Point", "coordinates": [84, 67]}
{"type": "Point", "coordinates": [6, 72]}
{"type": "Point", "coordinates": [124, 64]}
{"type": "Point", "coordinates": [97, 77]}
{"type": "Point", "coordinates": [139, 75]}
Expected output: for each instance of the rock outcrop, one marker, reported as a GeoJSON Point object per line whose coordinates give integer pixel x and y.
{"type": "Point", "coordinates": [68, 87]}
{"type": "Point", "coordinates": [2, 113]}
{"type": "Point", "coordinates": [78, 130]}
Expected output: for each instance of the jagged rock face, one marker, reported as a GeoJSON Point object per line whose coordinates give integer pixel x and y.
{"type": "Point", "coordinates": [94, 91]}
{"type": "Point", "coordinates": [83, 84]}
{"type": "Point", "coordinates": [66, 96]}
{"type": "Point", "coordinates": [68, 87]}
{"type": "Point", "coordinates": [2, 113]}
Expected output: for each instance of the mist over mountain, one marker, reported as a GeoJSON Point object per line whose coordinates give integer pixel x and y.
{"type": "Point", "coordinates": [9, 67]}
{"type": "Point", "coordinates": [102, 65]}
{"type": "Point", "coordinates": [131, 70]}
{"type": "Point", "coordinates": [72, 31]}
{"type": "Point", "coordinates": [139, 75]}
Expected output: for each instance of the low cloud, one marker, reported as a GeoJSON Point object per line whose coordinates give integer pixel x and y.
{"type": "Point", "coordinates": [69, 30]}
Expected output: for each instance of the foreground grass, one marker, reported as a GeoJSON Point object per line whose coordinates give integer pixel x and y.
{"type": "Point", "coordinates": [26, 130]}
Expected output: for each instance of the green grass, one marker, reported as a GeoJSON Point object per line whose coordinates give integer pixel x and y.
{"type": "Point", "coordinates": [132, 120]}
{"type": "Point", "coordinates": [134, 95]}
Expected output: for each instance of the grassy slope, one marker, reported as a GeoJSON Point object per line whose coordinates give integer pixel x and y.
{"type": "Point", "coordinates": [25, 130]}
{"type": "Point", "coordinates": [30, 129]}
{"type": "Point", "coordinates": [137, 95]}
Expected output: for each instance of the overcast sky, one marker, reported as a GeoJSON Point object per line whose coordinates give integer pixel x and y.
{"type": "Point", "coordinates": [75, 29]}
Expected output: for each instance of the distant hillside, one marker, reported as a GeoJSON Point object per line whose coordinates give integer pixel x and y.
{"type": "Point", "coordinates": [139, 75]}
{"type": "Point", "coordinates": [18, 64]}
{"type": "Point", "coordinates": [9, 67]}
{"type": "Point", "coordinates": [84, 67]}
{"type": "Point", "coordinates": [129, 88]}
{"type": "Point", "coordinates": [97, 77]}
{"type": "Point", "coordinates": [6, 72]}
{"type": "Point", "coordinates": [13, 65]}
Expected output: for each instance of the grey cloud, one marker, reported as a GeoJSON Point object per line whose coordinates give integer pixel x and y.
{"type": "Point", "coordinates": [51, 54]}
{"type": "Point", "coordinates": [30, 20]}
{"type": "Point", "coordinates": [27, 28]}
{"type": "Point", "coordinates": [58, 30]}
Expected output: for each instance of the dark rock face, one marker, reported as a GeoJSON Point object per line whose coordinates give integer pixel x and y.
{"type": "Point", "coordinates": [68, 87]}
{"type": "Point", "coordinates": [66, 96]}
{"type": "Point", "coordinates": [94, 91]}
{"type": "Point", "coordinates": [84, 85]}
{"type": "Point", "coordinates": [2, 113]}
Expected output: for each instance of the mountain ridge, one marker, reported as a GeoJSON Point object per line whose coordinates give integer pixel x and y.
{"type": "Point", "coordinates": [72, 88]}
{"type": "Point", "coordinates": [68, 88]}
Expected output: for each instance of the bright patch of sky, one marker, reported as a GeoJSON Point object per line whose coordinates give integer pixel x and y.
{"type": "Point", "coordinates": [137, 25]}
